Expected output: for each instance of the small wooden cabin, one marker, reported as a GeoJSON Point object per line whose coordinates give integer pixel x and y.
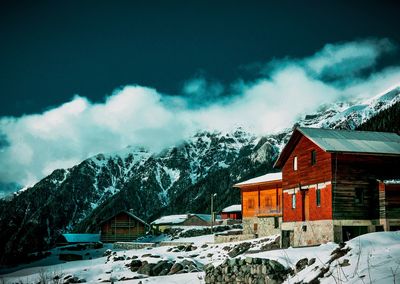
{"type": "Point", "coordinates": [233, 212]}
{"type": "Point", "coordinates": [261, 204]}
{"type": "Point", "coordinates": [122, 227]}
{"type": "Point", "coordinates": [330, 192]}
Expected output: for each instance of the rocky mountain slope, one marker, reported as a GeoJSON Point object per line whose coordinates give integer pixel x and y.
{"type": "Point", "coordinates": [177, 180]}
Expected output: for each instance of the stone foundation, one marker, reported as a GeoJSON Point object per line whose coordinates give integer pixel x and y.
{"type": "Point", "coordinates": [232, 238]}
{"type": "Point", "coordinates": [265, 226]}
{"type": "Point", "coordinates": [129, 245]}
{"type": "Point", "coordinates": [310, 233]}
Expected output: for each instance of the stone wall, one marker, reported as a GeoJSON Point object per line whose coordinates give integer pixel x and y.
{"type": "Point", "coordinates": [232, 238]}
{"type": "Point", "coordinates": [248, 270]}
{"type": "Point", "coordinates": [265, 226]}
{"type": "Point", "coordinates": [130, 245]}
{"type": "Point", "coordinates": [310, 232]}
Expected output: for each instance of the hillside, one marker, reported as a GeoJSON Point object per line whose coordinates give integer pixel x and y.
{"type": "Point", "coordinates": [177, 180]}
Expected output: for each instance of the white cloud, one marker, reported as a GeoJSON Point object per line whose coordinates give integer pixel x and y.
{"type": "Point", "coordinates": [63, 136]}
{"type": "Point", "coordinates": [347, 59]}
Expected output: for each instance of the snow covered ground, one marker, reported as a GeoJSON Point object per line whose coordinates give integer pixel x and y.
{"type": "Point", "coordinates": [371, 258]}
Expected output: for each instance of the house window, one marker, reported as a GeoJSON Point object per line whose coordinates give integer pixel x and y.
{"type": "Point", "coordinates": [313, 157]}
{"type": "Point", "coordinates": [318, 196]}
{"type": "Point", "coordinates": [295, 163]}
{"type": "Point", "coordinates": [250, 204]}
{"type": "Point", "coordinates": [359, 197]}
{"type": "Point", "coordinates": [294, 200]}
{"type": "Point", "coordinates": [268, 201]}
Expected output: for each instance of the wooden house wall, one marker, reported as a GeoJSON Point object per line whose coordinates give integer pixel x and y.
{"type": "Point", "coordinates": [249, 202]}
{"type": "Point", "coordinates": [306, 173]}
{"type": "Point", "coordinates": [121, 227]}
{"type": "Point", "coordinates": [265, 198]}
{"type": "Point", "coordinates": [231, 215]}
{"type": "Point", "coordinates": [195, 221]}
{"type": "Point", "coordinates": [392, 196]}
{"type": "Point", "coordinates": [313, 212]}
{"type": "Point", "coordinates": [359, 172]}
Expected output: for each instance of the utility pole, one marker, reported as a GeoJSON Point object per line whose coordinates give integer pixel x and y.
{"type": "Point", "coordinates": [212, 211]}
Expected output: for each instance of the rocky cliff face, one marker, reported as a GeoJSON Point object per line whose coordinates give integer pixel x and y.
{"type": "Point", "coordinates": [177, 180]}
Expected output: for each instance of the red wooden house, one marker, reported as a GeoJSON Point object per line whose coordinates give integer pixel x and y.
{"type": "Point", "coordinates": [233, 212]}
{"type": "Point", "coordinates": [330, 187]}
{"type": "Point", "coordinates": [261, 204]}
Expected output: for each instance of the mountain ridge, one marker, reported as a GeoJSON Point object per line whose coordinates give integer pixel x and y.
{"type": "Point", "coordinates": [178, 179]}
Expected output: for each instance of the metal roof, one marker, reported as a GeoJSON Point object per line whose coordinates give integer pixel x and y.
{"type": "Point", "coordinates": [343, 141]}
{"type": "Point", "coordinates": [354, 141]}
{"type": "Point", "coordinates": [82, 238]}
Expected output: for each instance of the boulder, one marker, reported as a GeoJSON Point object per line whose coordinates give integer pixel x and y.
{"type": "Point", "coordinates": [239, 249]}
{"type": "Point", "coordinates": [301, 264]}
{"type": "Point", "coordinates": [176, 267]}
{"type": "Point", "coordinates": [135, 265]}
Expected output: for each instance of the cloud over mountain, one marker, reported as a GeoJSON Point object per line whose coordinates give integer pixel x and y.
{"type": "Point", "coordinates": [33, 145]}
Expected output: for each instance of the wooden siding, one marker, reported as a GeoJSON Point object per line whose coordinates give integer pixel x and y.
{"type": "Point", "coordinates": [121, 227]}
{"type": "Point", "coordinates": [306, 173]}
{"type": "Point", "coordinates": [392, 201]}
{"type": "Point", "coordinates": [352, 173]}
{"type": "Point", "coordinates": [195, 221]}
{"type": "Point", "coordinates": [262, 200]}
{"type": "Point", "coordinates": [231, 215]}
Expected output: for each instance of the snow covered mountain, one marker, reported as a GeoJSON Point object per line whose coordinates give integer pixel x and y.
{"type": "Point", "coordinates": [179, 179]}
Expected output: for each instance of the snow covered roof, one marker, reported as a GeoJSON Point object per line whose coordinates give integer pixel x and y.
{"type": "Point", "coordinates": [345, 141]}
{"type": "Point", "coordinates": [261, 179]}
{"type": "Point", "coordinates": [179, 219]}
{"type": "Point", "coordinates": [171, 219]}
{"type": "Point", "coordinates": [82, 238]}
{"type": "Point", "coordinates": [232, 208]}
{"type": "Point", "coordinates": [392, 181]}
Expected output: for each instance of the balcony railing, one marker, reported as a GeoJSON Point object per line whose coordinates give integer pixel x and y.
{"type": "Point", "coordinates": [271, 211]}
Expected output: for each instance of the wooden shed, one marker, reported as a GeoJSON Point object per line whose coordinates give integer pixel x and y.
{"type": "Point", "coordinates": [329, 180]}
{"type": "Point", "coordinates": [122, 227]}
{"type": "Point", "coordinates": [233, 212]}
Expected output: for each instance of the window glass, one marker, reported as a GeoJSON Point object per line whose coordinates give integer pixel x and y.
{"type": "Point", "coordinates": [313, 157]}
{"type": "Point", "coordinates": [250, 204]}
{"type": "Point", "coordinates": [295, 163]}
{"type": "Point", "coordinates": [318, 198]}
{"type": "Point", "coordinates": [359, 197]}
{"type": "Point", "coordinates": [294, 200]}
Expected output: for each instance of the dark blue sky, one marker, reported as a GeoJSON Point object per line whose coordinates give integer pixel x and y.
{"type": "Point", "coordinates": [52, 50]}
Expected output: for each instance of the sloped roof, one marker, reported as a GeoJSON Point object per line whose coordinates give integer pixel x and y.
{"type": "Point", "coordinates": [232, 208]}
{"type": "Point", "coordinates": [130, 214]}
{"type": "Point", "coordinates": [82, 238]}
{"type": "Point", "coordinates": [171, 219]}
{"type": "Point", "coordinates": [261, 179]}
{"type": "Point", "coordinates": [344, 141]}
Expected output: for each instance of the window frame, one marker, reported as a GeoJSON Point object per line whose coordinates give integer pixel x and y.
{"type": "Point", "coordinates": [295, 163]}
{"type": "Point", "coordinates": [294, 201]}
{"type": "Point", "coordinates": [318, 197]}
{"type": "Point", "coordinates": [359, 195]}
{"type": "Point", "coordinates": [250, 203]}
{"type": "Point", "coordinates": [313, 157]}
